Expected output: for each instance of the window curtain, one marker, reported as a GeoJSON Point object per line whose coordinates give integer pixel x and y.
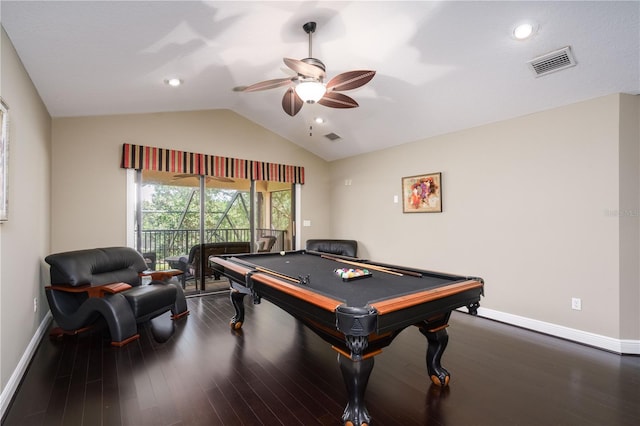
{"type": "Point", "coordinates": [170, 160]}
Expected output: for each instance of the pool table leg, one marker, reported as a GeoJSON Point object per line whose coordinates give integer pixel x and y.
{"type": "Point", "coordinates": [237, 300]}
{"type": "Point", "coordinates": [356, 376]}
{"type": "Point", "coordinates": [438, 340]}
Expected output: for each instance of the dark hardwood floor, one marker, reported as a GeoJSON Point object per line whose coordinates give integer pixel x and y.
{"type": "Point", "coordinates": [278, 372]}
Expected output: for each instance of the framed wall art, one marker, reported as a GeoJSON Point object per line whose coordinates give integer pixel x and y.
{"type": "Point", "coordinates": [4, 159]}
{"type": "Point", "coordinates": [422, 193]}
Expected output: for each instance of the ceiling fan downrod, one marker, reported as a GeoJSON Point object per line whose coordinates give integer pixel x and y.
{"type": "Point", "coordinates": [309, 28]}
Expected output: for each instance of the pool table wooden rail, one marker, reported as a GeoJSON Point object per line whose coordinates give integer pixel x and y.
{"type": "Point", "coordinates": [309, 296]}
{"type": "Point", "coordinates": [386, 306]}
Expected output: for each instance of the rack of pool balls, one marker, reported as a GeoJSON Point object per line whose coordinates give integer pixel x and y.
{"type": "Point", "coordinates": [348, 274]}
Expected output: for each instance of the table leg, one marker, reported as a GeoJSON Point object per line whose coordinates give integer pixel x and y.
{"type": "Point", "coordinates": [357, 323]}
{"type": "Point", "coordinates": [237, 300]}
{"type": "Point", "coordinates": [438, 340]}
{"type": "Point", "coordinates": [473, 308]}
{"type": "Point", "coordinates": [356, 376]}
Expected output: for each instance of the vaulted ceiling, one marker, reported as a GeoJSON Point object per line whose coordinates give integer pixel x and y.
{"type": "Point", "coordinates": [441, 66]}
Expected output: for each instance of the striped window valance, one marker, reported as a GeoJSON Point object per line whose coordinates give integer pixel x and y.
{"type": "Point", "coordinates": [170, 160]}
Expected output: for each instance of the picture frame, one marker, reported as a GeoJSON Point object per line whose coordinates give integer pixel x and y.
{"type": "Point", "coordinates": [4, 161]}
{"type": "Point", "coordinates": [422, 193]}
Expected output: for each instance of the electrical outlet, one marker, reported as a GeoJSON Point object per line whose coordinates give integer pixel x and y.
{"type": "Point", "coordinates": [576, 303]}
{"type": "Point", "coordinates": [35, 304]}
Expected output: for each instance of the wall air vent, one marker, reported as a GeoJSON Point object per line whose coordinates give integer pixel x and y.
{"type": "Point", "coordinates": [552, 62]}
{"type": "Point", "coordinates": [332, 136]}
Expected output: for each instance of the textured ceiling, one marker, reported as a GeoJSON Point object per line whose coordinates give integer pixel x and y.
{"type": "Point", "coordinates": [441, 66]}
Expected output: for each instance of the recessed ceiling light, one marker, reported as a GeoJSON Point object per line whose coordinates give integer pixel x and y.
{"type": "Point", "coordinates": [524, 31]}
{"type": "Point", "coordinates": [319, 120]}
{"type": "Point", "coordinates": [173, 82]}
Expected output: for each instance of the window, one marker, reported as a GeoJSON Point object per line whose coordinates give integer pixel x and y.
{"type": "Point", "coordinates": [186, 199]}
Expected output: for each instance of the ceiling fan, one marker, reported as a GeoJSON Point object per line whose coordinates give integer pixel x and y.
{"type": "Point", "coordinates": [307, 85]}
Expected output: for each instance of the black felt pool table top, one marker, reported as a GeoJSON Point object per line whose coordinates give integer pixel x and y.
{"type": "Point", "coordinates": [360, 292]}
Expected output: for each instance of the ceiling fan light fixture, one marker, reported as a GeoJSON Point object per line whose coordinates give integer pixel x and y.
{"type": "Point", "coordinates": [310, 91]}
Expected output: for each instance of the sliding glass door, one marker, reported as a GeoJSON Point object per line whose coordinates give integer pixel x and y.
{"type": "Point", "coordinates": [179, 216]}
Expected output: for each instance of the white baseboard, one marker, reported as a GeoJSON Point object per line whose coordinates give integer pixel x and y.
{"type": "Point", "coordinates": [627, 347]}
{"type": "Point", "coordinates": [21, 368]}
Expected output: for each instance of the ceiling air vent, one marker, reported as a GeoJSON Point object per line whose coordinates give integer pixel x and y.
{"type": "Point", "coordinates": [332, 136]}
{"type": "Point", "coordinates": [552, 62]}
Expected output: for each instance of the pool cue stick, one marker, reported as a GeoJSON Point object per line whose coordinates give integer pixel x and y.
{"type": "Point", "coordinates": [277, 274]}
{"type": "Point", "coordinates": [380, 268]}
{"type": "Point", "coordinates": [404, 272]}
{"type": "Point", "coordinates": [363, 265]}
{"type": "Point", "coordinates": [266, 270]}
{"type": "Point", "coordinates": [401, 271]}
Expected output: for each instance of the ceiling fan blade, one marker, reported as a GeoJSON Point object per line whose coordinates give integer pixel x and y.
{"type": "Point", "coordinates": [265, 85]}
{"type": "Point", "coordinates": [303, 68]}
{"type": "Point", "coordinates": [291, 102]}
{"type": "Point", "coordinates": [350, 80]}
{"type": "Point", "coordinates": [337, 100]}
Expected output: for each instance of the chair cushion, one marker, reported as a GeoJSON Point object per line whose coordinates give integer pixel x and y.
{"type": "Point", "coordinates": [148, 299]}
{"type": "Point", "coordinates": [96, 266]}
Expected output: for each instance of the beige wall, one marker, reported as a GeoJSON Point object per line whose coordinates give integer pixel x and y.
{"type": "Point", "coordinates": [89, 187]}
{"type": "Point", "coordinates": [629, 217]}
{"type": "Point", "coordinates": [24, 238]}
{"type": "Point", "coordinates": [529, 205]}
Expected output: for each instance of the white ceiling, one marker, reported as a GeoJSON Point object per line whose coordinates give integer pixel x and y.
{"type": "Point", "coordinates": [441, 66]}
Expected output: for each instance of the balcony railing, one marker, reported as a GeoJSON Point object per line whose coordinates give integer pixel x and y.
{"type": "Point", "coordinates": [175, 242]}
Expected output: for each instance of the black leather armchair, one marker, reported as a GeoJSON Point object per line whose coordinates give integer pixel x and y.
{"type": "Point", "coordinates": [191, 264]}
{"type": "Point", "coordinates": [87, 285]}
{"type": "Point", "coordinates": [265, 243]}
{"type": "Point", "coordinates": [340, 247]}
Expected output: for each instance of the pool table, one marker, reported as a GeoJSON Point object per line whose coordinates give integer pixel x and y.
{"type": "Point", "coordinates": [357, 315]}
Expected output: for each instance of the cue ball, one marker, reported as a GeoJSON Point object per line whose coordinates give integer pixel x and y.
{"type": "Point", "coordinates": [282, 253]}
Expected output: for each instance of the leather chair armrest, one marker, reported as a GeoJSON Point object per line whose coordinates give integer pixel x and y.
{"type": "Point", "coordinates": [162, 275]}
{"type": "Point", "coordinates": [93, 290]}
